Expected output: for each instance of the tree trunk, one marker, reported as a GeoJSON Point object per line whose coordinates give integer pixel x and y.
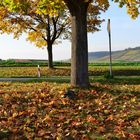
{"type": "Point", "coordinates": [50, 57]}
{"type": "Point", "coordinates": [79, 58]}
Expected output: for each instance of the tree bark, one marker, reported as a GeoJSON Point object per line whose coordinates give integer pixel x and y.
{"type": "Point", "coordinates": [79, 57]}
{"type": "Point", "coordinates": [50, 57]}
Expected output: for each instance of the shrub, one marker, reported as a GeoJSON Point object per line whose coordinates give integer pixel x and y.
{"type": "Point", "coordinates": [108, 76]}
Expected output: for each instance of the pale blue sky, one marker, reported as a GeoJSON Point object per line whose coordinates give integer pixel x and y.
{"type": "Point", "coordinates": [125, 33]}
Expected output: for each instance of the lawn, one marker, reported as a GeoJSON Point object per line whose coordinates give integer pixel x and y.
{"type": "Point", "coordinates": [65, 71]}
{"type": "Point", "coordinates": [109, 109]}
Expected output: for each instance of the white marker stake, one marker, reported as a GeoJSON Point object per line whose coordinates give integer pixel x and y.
{"type": "Point", "coordinates": [38, 71]}
{"type": "Point", "coordinates": [110, 55]}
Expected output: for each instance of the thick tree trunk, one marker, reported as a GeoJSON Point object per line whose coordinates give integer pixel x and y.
{"type": "Point", "coordinates": [79, 58]}
{"type": "Point", "coordinates": [50, 57]}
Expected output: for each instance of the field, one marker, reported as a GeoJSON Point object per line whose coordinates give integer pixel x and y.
{"type": "Point", "coordinates": [65, 71]}
{"type": "Point", "coordinates": [108, 110]}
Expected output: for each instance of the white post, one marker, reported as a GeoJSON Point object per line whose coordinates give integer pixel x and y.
{"type": "Point", "coordinates": [38, 71]}
{"type": "Point", "coordinates": [110, 56]}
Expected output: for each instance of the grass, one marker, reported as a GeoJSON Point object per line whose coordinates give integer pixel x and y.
{"type": "Point", "coordinates": [65, 71]}
{"type": "Point", "coordinates": [34, 63]}
{"type": "Point", "coordinates": [135, 80]}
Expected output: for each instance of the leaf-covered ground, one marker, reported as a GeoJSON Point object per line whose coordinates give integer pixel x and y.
{"type": "Point", "coordinates": [40, 111]}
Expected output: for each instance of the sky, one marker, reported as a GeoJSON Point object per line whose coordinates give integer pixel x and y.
{"type": "Point", "coordinates": [124, 33]}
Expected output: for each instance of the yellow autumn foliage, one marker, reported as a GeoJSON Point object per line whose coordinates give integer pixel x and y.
{"type": "Point", "coordinates": [36, 38]}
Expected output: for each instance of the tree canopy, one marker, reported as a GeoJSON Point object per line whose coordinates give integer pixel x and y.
{"type": "Point", "coordinates": [31, 16]}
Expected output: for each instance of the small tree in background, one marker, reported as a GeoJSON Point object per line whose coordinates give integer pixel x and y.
{"type": "Point", "coordinates": [42, 28]}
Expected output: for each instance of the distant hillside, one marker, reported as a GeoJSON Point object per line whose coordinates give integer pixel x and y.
{"type": "Point", "coordinates": [130, 54]}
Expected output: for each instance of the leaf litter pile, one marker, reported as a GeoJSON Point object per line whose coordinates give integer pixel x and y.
{"type": "Point", "coordinates": [40, 111]}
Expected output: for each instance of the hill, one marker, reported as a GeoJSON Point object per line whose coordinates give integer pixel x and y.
{"type": "Point", "coordinates": [127, 55]}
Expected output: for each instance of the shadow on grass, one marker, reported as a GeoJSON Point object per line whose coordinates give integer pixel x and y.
{"type": "Point", "coordinates": [48, 79]}
{"type": "Point", "coordinates": [121, 80]}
